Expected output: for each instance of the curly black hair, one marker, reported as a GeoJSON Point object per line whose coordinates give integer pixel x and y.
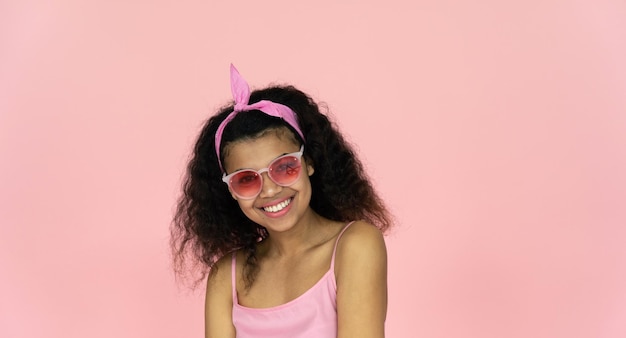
{"type": "Point", "coordinates": [208, 222]}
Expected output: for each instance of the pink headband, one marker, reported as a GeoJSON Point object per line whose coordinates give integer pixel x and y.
{"type": "Point", "coordinates": [241, 94]}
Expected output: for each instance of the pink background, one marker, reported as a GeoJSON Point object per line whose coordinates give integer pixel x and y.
{"type": "Point", "coordinates": [495, 130]}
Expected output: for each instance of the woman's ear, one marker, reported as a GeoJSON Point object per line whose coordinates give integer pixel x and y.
{"type": "Point", "coordinates": [310, 170]}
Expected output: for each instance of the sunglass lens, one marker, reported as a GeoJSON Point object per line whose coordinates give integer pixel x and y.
{"type": "Point", "coordinates": [285, 170]}
{"type": "Point", "coordinates": [246, 183]}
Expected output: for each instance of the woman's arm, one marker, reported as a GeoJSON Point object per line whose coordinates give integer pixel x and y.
{"type": "Point", "coordinates": [218, 307]}
{"type": "Point", "coordinates": [361, 270]}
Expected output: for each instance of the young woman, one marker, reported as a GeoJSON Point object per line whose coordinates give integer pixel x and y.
{"type": "Point", "coordinates": [279, 213]}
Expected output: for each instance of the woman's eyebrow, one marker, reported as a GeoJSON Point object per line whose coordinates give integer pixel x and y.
{"type": "Point", "coordinates": [272, 160]}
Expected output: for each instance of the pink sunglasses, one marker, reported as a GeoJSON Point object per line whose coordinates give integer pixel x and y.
{"type": "Point", "coordinates": [284, 171]}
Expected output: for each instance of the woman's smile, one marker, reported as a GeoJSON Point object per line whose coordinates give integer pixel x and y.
{"type": "Point", "coordinates": [276, 207]}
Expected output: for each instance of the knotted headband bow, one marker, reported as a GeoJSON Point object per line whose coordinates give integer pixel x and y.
{"type": "Point", "coordinates": [241, 94]}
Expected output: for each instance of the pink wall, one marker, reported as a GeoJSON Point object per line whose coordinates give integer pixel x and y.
{"type": "Point", "coordinates": [497, 133]}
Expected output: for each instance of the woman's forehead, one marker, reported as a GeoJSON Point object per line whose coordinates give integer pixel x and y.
{"type": "Point", "coordinates": [258, 152]}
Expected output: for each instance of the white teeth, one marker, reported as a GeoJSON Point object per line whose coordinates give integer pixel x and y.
{"type": "Point", "coordinates": [278, 207]}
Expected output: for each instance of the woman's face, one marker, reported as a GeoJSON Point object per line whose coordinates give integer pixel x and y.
{"type": "Point", "coordinates": [276, 208]}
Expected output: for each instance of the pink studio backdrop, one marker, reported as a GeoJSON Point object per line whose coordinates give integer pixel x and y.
{"type": "Point", "coordinates": [495, 130]}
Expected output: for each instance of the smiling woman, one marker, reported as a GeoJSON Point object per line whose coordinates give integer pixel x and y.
{"type": "Point", "coordinates": [280, 214]}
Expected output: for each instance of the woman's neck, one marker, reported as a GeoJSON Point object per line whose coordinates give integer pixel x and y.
{"type": "Point", "coordinates": [311, 230]}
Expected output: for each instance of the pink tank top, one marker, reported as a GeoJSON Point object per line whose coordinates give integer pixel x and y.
{"type": "Point", "coordinates": [311, 315]}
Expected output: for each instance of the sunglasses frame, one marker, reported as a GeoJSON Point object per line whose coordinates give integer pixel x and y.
{"type": "Point", "coordinates": [227, 178]}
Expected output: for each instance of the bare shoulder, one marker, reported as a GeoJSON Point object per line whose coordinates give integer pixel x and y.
{"type": "Point", "coordinates": [361, 243]}
{"type": "Point", "coordinates": [219, 302]}
{"type": "Point", "coordinates": [361, 274]}
{"type": "Point", "coordinates": [220, 273]}
{"type": "Point", "coordinates": [361, 236]}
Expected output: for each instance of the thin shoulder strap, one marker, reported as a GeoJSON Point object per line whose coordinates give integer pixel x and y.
{"type": "Point", "coordinates": [332, 260]}
{"type": "Point", "coordinates": [233, 273]}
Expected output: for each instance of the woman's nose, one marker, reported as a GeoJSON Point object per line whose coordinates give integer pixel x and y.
{"type": "Point", "coordinates": [269, 188]}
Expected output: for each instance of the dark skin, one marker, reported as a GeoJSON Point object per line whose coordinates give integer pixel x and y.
{"type": "Point", "coordinates": [298, 252]}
